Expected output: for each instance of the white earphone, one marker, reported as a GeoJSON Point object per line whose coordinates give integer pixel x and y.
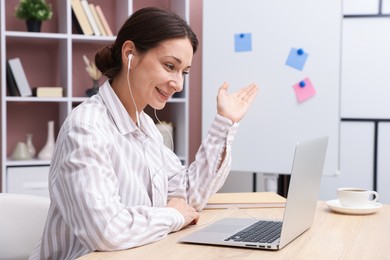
{"type": "Point", "coordinates": [129, 57]}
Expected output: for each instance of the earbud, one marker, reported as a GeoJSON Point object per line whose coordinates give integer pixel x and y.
{"type": "Point", "coordinates": [129, 60]}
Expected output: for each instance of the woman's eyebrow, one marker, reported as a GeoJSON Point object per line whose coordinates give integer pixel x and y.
{"type": "Point", "coordinates": [178, 61]}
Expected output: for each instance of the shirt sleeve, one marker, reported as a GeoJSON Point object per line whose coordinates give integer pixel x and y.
{"type": "Point", "coordinates": [85, 190]}
{"type": "Point", "coordinates": [212, 164]}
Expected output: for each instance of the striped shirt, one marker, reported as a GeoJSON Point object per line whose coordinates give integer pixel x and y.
{"type": "Point", "coordinates": [110, 181]}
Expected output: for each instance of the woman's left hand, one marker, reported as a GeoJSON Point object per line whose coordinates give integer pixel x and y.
{"type": "Point", "coordinates": [235, 105]}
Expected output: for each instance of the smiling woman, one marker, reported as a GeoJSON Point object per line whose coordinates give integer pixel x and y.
{"type": "Point", "coordinates": [113, 183]}
{"type": "Point", "coordinates": [159, 73]}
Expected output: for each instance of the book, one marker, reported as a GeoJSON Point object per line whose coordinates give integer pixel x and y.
{"type": "Point", "coordinates": [80, 19]}
{"type": "Point", "coordinates": [76, 24]}
{"type": "Point", "coordinates": [48, 92]}
{"type": "Point", "coordinates": [20, 77]}
{"type": "Point", "coordinates": [104, 21]}
{"type": "Point", "coordinates": [11, 84]}
{"type": "Point", "coordinates": [87, 10]}
{"type": "Point", "coordinates": [245, 200]}
{"type": "Point", "coordinates": [97, 19]}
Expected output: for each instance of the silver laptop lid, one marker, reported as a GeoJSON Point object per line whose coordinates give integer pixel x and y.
{"type": "Point", "coordinates": [304, 188]}
{"type": "Point", "coordinates": [300, 208]}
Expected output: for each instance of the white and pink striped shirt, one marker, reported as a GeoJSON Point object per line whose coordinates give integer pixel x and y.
{"type": "Point", "coordinates": [110, 181]}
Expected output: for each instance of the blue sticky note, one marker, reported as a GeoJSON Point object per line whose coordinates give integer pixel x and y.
{"type": "Point", "coordinates": [297, 58]}
{"type": "Point", "coordinates": [243, 42]}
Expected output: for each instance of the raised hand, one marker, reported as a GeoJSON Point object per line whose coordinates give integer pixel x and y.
{"type": "Point", "coordinates": [235, 105]}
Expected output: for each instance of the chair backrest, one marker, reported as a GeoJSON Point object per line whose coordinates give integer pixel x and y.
{"type": "Point", "coordinates": [22, 220]}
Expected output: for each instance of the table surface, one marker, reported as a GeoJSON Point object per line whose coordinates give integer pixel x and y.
{"type": "Point", "coordinates": [332, 236]}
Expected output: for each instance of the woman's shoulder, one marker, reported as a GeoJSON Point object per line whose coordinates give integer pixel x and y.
{"type": "Point", "coordinates": [90, 112]}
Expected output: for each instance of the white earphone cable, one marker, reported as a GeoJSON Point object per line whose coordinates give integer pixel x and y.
{"type": "Point", "coordinates": [131, 92]}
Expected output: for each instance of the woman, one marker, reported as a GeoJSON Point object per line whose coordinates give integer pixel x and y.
{"type": "Point", "coordinates": [113, 183]}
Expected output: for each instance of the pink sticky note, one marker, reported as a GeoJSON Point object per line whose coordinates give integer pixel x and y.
{"type": "Point", "coordinates": [304, 90]}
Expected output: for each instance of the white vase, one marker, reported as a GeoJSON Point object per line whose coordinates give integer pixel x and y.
{"type": "Point", "coordinates": [20, 152]}
{"type": "Point", "coordinates": [166, 130]}
{"type": "Point", "coordinates": [30, 146]}
{"type": "Point", "coordinates": [47, 151]}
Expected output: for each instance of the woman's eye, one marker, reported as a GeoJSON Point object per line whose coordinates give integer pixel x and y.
{"type": "Point", "coordinates": [170, 66]}
{"type": "Point", "coordinates": [185, 72]}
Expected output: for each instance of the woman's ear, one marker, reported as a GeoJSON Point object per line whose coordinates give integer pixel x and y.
{"type": "Point", "coordinates": [128, 49]}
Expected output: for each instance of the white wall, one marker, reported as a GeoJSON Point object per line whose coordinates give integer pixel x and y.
{"type": "Point", "coordinates": [365, 102]}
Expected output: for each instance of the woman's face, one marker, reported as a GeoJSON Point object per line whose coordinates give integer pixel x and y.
{"type": "Point", "coordinates": [159, 73]}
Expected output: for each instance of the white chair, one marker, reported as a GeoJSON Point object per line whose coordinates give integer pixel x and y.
{"type": "Point", "coordinates": [22, 220]}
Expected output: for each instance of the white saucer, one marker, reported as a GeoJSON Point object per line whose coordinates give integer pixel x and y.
{"type": "Point", "coordinates": [336, 206]}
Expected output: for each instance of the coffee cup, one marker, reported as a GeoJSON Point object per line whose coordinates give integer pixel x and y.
{"type": "Point", "coordinates": [356, 197]}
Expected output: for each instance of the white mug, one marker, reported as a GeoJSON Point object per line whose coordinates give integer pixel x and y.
{"type": "Point", "coordinates": [356, 197]}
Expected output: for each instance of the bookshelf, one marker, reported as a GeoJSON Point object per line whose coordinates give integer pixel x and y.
{"type": "Point", "coordinates": [53, 57]}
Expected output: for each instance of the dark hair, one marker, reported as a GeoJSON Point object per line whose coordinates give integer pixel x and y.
{"type": "Point", "coordinates": [146, 27]}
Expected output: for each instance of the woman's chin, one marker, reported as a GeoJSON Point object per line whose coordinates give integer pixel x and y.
{"type": "Point", "coordinates": [158, 106]}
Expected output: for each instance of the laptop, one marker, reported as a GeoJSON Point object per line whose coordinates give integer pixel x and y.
{"type": "Point", "coordinates": [299, 212]}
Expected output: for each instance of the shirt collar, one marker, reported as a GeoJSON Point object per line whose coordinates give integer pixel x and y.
{"type": "Point", "coordinates": [118, 112]}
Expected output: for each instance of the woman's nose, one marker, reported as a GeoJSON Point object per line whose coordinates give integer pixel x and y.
{"type": "Point", "coordinates": [177, 82]}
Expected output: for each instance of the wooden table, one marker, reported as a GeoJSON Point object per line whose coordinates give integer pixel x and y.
{"type": "Point", "coordinates": [332, 236]}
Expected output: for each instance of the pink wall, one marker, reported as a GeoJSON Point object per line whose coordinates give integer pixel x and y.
{"type": "Point", "coordinates": [196, 7]}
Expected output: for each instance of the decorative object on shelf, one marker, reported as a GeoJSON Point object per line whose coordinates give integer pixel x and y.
{"type": "Point", "coordinates": [95, 75]}
{"type": "Point", "coordinates": [30, 146]}
{"type": "Point", "coordinates": [94, 90]}
{"type": "Point", "coordinates": [80, 19]}
{"type": "Point", "coordinates": [47, 151]}
{"type": "Point", "coordinates": [166, 130]}
{"type": "Point", "coordinates": [90, 17]}
{"type": "Point", "coordinates": [47, 92]}
{"type": "Point", "coordinates": [33, 25]}
{"type": "Point", "coordinates": [34, 12]}
{"type": "Point", "coordinates": [103, 19]}
{"type": "Point", "coordinates": [18, 74]}
{"type": "Point", "coordinates": [21, 152]}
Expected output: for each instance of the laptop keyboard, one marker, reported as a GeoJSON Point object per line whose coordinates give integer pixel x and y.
{"type": "Point", "coordinates": [260, 232]}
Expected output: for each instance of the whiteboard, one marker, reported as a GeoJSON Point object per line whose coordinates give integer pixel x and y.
{"type": "Point", "coordinates": [266, 139]}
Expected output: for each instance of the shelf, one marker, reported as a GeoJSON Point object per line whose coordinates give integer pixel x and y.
{"type": "Point", "coordinates": [53, 57]}
{"type": "Point", "coordinates": [85, 38]}
{"type": "Point", "coordinates": [33, 162]}
{"type": "Point", "coordinates": [35, 35]}
{"type": "Point", "coordinates": [79, 99]}
{"type": "Point", "coordinates": [177, 100]}
{"type": "Point", "coordinates": [36, 99]}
